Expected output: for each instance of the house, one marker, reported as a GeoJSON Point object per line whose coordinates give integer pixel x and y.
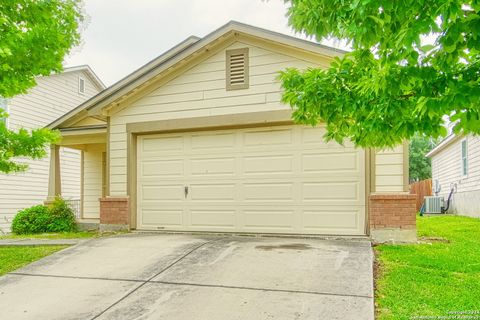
{"type": "Point", "coordinates": [456, 166]}
{"type": "Point", "coordinates": [52, 97]}
{"type": "Point", "coordinates": [198, 140]}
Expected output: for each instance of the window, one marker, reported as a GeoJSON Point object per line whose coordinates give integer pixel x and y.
{"type": "Point", "coordinates": [3, 108]}
{"type": "Point", "coordinates": [237, 69]}
{"type": "Point", "coordinates": [464, 158]}
{"type": "Point", "coordinates": [81, 85]}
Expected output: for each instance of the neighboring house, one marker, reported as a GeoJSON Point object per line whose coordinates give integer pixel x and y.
{"type": "Point", "coordinates": [52, 97]}
{"type": "Point", "coordinates": [198, 140]}
{"type": "Point", "coordinates": [456, 165]}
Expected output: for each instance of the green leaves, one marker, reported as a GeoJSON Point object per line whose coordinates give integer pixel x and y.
{"type": "Point", "coordinates": [34, 38]}
{"type": "Point", "coordinates": [35, 35]}
{"type": "Point", "coordinates": [406, 87]}
{"type": "Point", "coordinates": [419, 165]}
{"type": "Point", "coordinates": [23, 143]}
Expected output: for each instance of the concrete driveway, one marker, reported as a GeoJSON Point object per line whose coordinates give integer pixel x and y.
{"type": "Point", "coordinates": [165, 276]}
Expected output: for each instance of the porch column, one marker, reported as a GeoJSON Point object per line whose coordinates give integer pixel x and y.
{"type": "Point", "coordinates": [54, 179]}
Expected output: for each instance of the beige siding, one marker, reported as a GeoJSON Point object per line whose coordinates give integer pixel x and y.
{"type": "Point", "coordinates": [70, 175]}
{"type": "Point", "coordinates": [447, 170]}
{"type": "Point", "coordinates": [52, 97]}
{"type": "Point", "coordinates": [92, 183]}
{"type": "Point", "coordinates": [200, 91]}
{"type": "Point", "coordinates": [389, 175]}
{"type": "Point", "coordinates": [88, 122]}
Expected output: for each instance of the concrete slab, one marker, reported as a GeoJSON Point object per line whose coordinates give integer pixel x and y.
{"type": "Point", "coordinates": [308, 265]}
{"type": "Point", "coordinates": [180, 276]}
{"type": "Point", "coordinates": [131, 257]}
{"type": "Point", "coordinates": [34, 298]}
{"type": "Point", "coordinates": [163, 301]}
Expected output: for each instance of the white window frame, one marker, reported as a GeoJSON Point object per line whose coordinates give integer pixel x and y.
{"type": "Point", "coordinates": [464, 160]}
{"type": "Point", "coordinates": [80, 80]}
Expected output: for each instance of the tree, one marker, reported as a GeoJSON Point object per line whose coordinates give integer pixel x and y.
{"type": "Point", "coordinates": [420, 165]}
{"type": "Point", "coordinates": [412, 63]}
{"type": "Point", "coordinates": [35, 35]}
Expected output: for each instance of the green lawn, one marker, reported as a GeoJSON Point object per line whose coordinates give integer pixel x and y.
{"type": "Point", "coordinates": [438, 276]}
{"type": "Point", "coordinates": [12, 258]}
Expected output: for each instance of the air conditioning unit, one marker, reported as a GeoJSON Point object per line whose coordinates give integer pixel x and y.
{"type": "Point", "coordinates": [434, 204]}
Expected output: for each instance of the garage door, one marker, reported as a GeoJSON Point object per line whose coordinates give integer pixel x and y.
{"type": "Point", "coordinates": [268, 180]}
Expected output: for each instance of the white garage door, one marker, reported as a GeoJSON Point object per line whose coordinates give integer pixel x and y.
{"type": "Point", "coordinates": [269, 180]}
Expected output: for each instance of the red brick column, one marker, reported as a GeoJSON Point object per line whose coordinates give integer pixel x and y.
{"type": "Point", "coordinates": [114, 213]}
{"type": "Point", "coordinates": [392, 217]}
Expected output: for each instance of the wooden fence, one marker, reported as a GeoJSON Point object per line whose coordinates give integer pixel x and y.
{"type": "Point", "coordinates": [421, 189]}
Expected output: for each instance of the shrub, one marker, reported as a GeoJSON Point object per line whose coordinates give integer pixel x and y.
{"type": "Point", "coordinates": [32, 220]}
{"type": "Point", "coordinates": [58, 217]}
{"type": "Point", "coordinates": [63, 218]}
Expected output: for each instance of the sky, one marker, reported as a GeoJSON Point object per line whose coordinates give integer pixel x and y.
{"type": "Point", "coordinates": [122, 35]}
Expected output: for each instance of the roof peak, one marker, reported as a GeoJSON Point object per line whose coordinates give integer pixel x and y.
{"type": "Point", "coordinates": [89, 70]}
{"type": "Point", "coordinates": [189, 46]}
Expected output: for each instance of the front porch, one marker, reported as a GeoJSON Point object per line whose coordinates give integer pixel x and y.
{"type": "Point", "coordinates": [92, 143]}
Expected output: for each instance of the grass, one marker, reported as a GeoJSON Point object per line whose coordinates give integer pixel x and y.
{"type": "Point", "coordinates": [12, 258]}
{"type": "Point", "coordinates": [435, 278]}
{"type": "Point", "coordinates": [60, 235]}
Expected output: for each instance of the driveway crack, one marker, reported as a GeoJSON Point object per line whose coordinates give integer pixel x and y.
{"type": "Point", "coordinates": [262, 289]}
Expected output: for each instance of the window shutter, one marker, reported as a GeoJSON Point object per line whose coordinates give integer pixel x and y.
{"type": "Point", "coordinates": [237, 69]}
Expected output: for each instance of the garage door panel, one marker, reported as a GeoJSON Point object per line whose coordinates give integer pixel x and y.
{"type": "Point", "coordinates": [161, 145]}
{"type": "Point", "coordinates": [344, 162]}
{"type": "Point", "coordinates": [162, 168]}
{"type": "Point", "coordinates": [267, 164]}
{"type": "Point", "coordinates": [315, 136]}
{"type": "Point", "coordinates": [331, 191]}
{"type": "Point", "coordinates": [213, 218]}
{"type": "Point", "coordinates": [273, 180]}
{"type": "Point", "coordinates": [213, 192]}
{"type": "Point", "coordinates": [333, 218]}
{"type": "Point", "coordinates": [213, 166]}
{"type": "Point", "coordinates": [256, 220]}
{"type": "Point", "coordinates": [162, 193]}
{"type": "Point", "coordinates": [268, 138]}
{"type": "Point", "coordinates": [268, 192]}
{"type": "Point", "coordinates": [219, 141]}
{"type": "Point", "coordinates": [168, 217]}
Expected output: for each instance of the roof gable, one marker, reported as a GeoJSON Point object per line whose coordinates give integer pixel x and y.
{"type": "Point", "coordinates": [86, 70]}
{"type": "Point", "coordinates": [202, 84]}
{"type": "Point", "coordinates": [444, 144]}
{"type": "Point", "coordinates": [186, 53]}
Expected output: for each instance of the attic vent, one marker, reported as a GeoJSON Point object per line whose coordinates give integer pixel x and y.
{"type": "Point", "coordinates": [237, 69]}
{"type": "Point", "coordinates": [81, 85]}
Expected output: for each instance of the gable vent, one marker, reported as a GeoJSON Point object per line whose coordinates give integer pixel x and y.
{"type": "Point", "coordinates": [237, 69]}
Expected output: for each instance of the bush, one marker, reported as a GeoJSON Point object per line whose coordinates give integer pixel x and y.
{"type": "Point", "coordinates": [32, 220]}
{"type": "Point", "coordinates": [58, 217]}
{"type": "Point", "coordinates": [63, 218]}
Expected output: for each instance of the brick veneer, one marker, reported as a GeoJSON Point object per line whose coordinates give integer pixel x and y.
{"type": "Point", "coordinates": [391, 215]}
{"type": "Point", "coordinates": [114, 211]}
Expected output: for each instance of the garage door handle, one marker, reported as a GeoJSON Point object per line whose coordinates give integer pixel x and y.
{"type": "Point", "coordinates": [185, 190]}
